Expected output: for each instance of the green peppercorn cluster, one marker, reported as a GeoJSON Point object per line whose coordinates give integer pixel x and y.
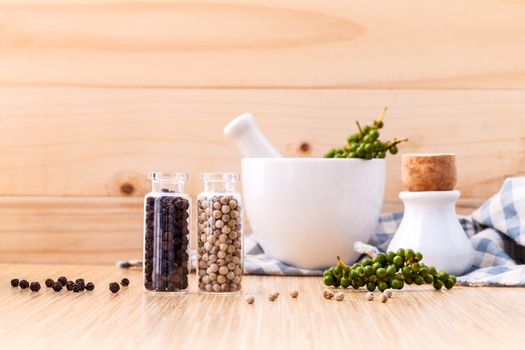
{"type": "Point", "coordinates": [366, 144]}
{"type": "Point", "coordinates": [384, 271]}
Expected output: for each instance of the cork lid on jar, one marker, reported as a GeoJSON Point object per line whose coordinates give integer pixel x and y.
{"type": "Point", "coordinates": [429, 171]}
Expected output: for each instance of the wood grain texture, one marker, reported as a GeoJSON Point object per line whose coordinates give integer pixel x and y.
{"type": "Point", "coordinates": [103, 142]}
{"type": "Point", "coordinates": [256, 43]}
{"type": "Point", "coordinates": [82, 230]}
{"type": "Point", "coordinates": [70, 229]}
{"type": "Point", "coordinates": [418, 317]}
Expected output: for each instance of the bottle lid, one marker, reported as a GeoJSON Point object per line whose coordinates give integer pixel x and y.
{"type": "Point", "coordinates": [429, 171]}
{"type": "Point", "coordinates": [220, 177]}
{"type": "Point", "coordinates": [168, 176]}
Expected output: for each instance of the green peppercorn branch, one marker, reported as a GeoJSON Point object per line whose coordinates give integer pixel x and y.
{"type": "Point", "coordinates": [384, 271]}
{"type": "Point", "coordinates": [365, 144]}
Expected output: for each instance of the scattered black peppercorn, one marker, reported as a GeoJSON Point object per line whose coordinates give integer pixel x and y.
{"type": "Point", "coordinates": [57, 286]}
{"type": "Point", "coordinates": [23, 284]}
{"type": "Point", "coordinates": [49, 283]}
{"type": "Point", "coordinates": [76, 288]}
{"type": "Point", "coordinates": [90, 286]}
{"type": "Point", "coordinates": [69, 285]}
{"type": "Point", "coordinates": [114, 287]}
{"type": "Point", "coordinates": [62, 280]}
{"type": "Point", "coordinates": [80, 283]}
{"type": "Point", "coordinates": [124, 282]}
{"type": "Point", "coordinates": [34, 286]}
{"type": "Point", "coordinates": [14, 282]}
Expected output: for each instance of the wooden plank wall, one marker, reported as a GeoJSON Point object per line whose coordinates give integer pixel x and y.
{"type": "Point", "coordinates": [96, 93]}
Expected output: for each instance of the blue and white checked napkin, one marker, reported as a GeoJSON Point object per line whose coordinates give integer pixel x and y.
{"type": "Point", "coordinates": [496, 230]}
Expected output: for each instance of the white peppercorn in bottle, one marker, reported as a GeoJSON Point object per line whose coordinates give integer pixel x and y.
{"type": "Point", "coordinates": [220, 239]}
{"type": "Point", "coordinates": [166, 234]}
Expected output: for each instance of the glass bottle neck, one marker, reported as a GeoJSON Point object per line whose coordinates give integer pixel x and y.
{"type": "Point", "coordinates": [219, 186]}
{"type": "Point", "coordinates": [167, 186]}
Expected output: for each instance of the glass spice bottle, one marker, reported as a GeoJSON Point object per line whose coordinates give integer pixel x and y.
{"type": "Point", "coordinates": [220, 239]}
{"type": "Point", "coordinates": [167, 211]}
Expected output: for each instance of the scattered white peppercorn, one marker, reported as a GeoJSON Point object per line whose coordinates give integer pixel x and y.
{"type": "Point", "coordinates": [339, 296]}
{"type": "Point", "coordinates": [273, 296]}
{"type": "Point", "coordinates": [294, 293]}
{"type": "Point", "coordinates": [250, 300]}
{"type": "Point", "coordinates": [369, 296]}
{"type": "Point", "coordinates": [383, 298]}
{"type": "Point", "coordinates": [328, 294]}
{"type": "Point", "coordinates": [388, 293]}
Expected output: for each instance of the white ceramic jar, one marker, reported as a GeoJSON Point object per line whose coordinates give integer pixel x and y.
{"type": "Point", "coordinates": [430, 226]}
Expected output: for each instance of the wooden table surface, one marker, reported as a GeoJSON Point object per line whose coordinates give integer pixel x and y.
{"type": "Point", "coordinates": [476, 318]}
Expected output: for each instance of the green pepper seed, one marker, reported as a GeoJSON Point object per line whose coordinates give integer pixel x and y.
{"type": "Point", "coordinates": [366, 262]}
{"type": "Point", "coordinates": [415, 267]}
{"type": "Point", "coordinates": [376, 266]}
{"type": "Point", "coordinates": [382, 285]}
{"type": "Point", "coordinates": [437, 284]}
{"type": "Point", "coordinates": [329, 280]}
{"type": "Point", "coordinates": [345, 282]}
{"type": "Point", "coordinates": [398, 260]}
{"type": "Point", "coordinates": [428, 279]}
{"type": "Point", "coordinates": [448, 283]}
{"type": "Point", "coordinates": [381, 272]}
{"type": "Point", "coordinates": [360, 271]}
{"type": "Point", "coordinates": [406, 270]}
{"type": "Point", "coordinates": [443, 275]}
{"type": "Point", "coordinates": [381, 257]}
{"type": "Point", "coordinates": [396, 284]}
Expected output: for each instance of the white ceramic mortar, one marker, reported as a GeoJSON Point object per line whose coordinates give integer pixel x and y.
{"type": "Point", "coordinates": [306, 211]}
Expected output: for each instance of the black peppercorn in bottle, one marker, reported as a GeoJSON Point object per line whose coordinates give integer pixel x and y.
{"type": "Point", "coordinates": [167, 211]}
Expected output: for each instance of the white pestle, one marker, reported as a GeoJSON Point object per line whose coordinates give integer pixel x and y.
{"type": "Point", "coordinates": [243, 131]}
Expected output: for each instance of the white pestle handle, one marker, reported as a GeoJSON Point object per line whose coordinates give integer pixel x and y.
{"type": "Point", "coordinates": [251, 142]}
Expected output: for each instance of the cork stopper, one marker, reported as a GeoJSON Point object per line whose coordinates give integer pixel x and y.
{"type": "Point", "coordinates": [429, 171]}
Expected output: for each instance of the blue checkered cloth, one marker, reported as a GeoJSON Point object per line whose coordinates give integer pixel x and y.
{"type": "Point", "coordinates": [496, 230]}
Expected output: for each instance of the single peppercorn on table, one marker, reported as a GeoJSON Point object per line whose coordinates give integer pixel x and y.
{"type": "Point", "coordinates": [417, 317]}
